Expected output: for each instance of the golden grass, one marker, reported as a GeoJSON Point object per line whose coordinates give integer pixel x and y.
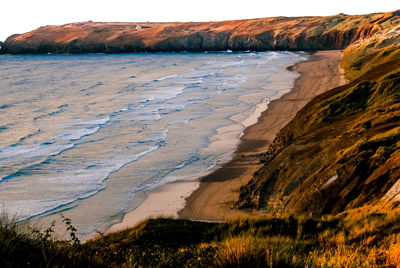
{"type": "Point", "coordinates": [363, 237]}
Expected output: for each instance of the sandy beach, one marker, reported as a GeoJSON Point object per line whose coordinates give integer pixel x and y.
{"type": "Point", "coordinates": [215, 198]}
{"type": "Point", "coordinates": [212, 198]}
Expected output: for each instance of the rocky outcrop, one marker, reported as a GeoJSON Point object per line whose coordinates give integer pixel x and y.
{"type": "Point", "coordinates": [280, 33]}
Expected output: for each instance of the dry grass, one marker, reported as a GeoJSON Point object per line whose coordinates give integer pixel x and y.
{"type": "Point", "coordinates": [364, 237]}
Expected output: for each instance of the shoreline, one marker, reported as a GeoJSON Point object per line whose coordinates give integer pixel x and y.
{"type": "Point", "coordinates": [192, 198]}
{"type": "Point", "coordinates": [215, 199]}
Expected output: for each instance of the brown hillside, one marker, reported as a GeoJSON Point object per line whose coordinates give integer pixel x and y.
{"type": "Point", "coordinates": [341, 151]}
{"type": "Point", "coordinates": [280, 33]}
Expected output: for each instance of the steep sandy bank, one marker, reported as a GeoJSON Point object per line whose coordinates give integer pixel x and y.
{"type": "Point", "coordinates": [219, 191]}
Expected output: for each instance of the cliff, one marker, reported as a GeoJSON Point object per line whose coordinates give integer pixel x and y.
{"type": "Point", "coordinates": [280, 33]}
{"type": "Point", "coordinates": [342, 150]}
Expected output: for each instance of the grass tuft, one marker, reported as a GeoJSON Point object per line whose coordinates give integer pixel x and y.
{"type": "Point", "coordinates": [363, 237]}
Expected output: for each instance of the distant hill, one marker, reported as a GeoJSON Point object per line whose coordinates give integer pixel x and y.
{"type": "Point", "coordinates": [279, 33]}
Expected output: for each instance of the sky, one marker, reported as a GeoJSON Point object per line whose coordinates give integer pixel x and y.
{"type": "Point", "coordinates": [19, 16]}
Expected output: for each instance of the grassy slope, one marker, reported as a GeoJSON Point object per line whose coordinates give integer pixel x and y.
{"type": "Point", "coordinates": [342, 150]}
{"type": "Point", "coordinates": [371, 233]}
{"type": "Point", "coordinates": [357, 238]}
{"type": "Point", "coordinates": [351, 133]}
{"type": "Point", "coordinates": [381, 47]}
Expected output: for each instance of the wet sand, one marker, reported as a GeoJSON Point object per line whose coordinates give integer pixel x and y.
{"type": "Point", "coordinates": [214, 200]}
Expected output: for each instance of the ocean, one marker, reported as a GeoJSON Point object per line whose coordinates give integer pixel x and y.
{"type": "Point", "coordinates": [92, 135]}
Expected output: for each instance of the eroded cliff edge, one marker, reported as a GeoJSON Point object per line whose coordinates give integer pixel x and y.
{"type": "Point", "coordinates": [279, 33]}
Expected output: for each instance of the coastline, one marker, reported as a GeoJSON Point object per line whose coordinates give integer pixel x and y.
{"type": "Point", "coordinates": [214, 200]}
{"type": "Point", "coordinates": [211, 196]}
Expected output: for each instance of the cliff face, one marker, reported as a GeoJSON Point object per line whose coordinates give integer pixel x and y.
{"type": "Point", "coordinates": [280, 33]}
{"type": "Point", "coordinates": [376, 49]}
{"type": "Point", "coordinates": [342, 150]}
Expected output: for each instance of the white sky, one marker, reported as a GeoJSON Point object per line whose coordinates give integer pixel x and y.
{"type": "Point", "coordinates": [19, 16]}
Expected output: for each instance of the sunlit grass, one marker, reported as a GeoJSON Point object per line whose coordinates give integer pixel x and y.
{"type": "Point", "coordinates": [364, 237]}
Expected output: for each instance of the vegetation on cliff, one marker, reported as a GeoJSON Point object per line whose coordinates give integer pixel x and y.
{"type": "Point", "coordinates": [370, 51]}
{"type": "Point", "coordinates": [342, 150]}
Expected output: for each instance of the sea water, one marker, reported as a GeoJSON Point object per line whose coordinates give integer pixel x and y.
{"type": "Point", "coordinates": [92, 135]}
